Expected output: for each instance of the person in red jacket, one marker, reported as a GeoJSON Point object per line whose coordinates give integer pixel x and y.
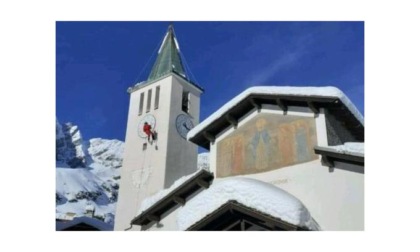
{"type": "Point", "coordinates": [147, 128]}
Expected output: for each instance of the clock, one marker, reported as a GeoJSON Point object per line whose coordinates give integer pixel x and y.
{"type": "Point", "coordinates": [183, 125]}
{"type": "Point", "coordinates": [151, 120]}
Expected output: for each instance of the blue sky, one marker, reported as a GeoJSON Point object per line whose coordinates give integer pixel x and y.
{"type": "Point", "coordinates": [97, 61]}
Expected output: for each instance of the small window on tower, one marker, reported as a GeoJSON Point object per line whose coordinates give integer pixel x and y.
{"type": "Point", "coordinates": [185, 102]}
{"type": "Point", "coordinates": [141, 103]}
{"type": "Point", "coordinates": [157, 93]}
{"type": "Point", "coordinates": [149, 100]}
{"type": "Point", "coordinates": [144, 146]}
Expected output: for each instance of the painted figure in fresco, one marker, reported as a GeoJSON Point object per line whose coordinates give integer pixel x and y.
{"type": "Point", "coordinates": [226, 157]}
{"type": "Point", "coordinates": [286, 144]}
{"type": "Point", "coordinates": [302, 142]}
{"type": "Point", "coordinates": [238, 152]}
{"type": "Point", "coordinates": [260, 145]}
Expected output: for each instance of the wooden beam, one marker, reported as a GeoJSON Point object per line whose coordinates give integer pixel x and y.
{"type": "Point", "coordinates": [325, 151]}
{"type": "Point", "coordinates": [209, 137]}
{"type": "Point", "coordinates": [153, 217]}
{"type": "Point", "coordinates": [255, 104]}
{"type": "Point", "coordinates": [282, 105]}
{"type": "Point", "coordinates": [314, 109]}
{"type": "Point", "coordinates": [232, 120]}
{"type": "Point", "coordinates": [203, 183]}
{"type": "Point", "coordinates": [328, 162]}
{"type": "Point", "coordinates": [228, 228]}
{"type": "Point", "coordinates": [179, 200]}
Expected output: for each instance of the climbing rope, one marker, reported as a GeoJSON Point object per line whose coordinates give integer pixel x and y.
{"type": "Point", "coordinates": [187, 67]}
{"type": "Point", "coordinates": [147, 63]}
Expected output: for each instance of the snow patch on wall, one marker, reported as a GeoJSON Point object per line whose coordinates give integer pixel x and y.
{"type": "Point", "coordinates": [140, 178]}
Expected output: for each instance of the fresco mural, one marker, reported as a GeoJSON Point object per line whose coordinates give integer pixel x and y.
{"type": "Point", "coordinates": [265, 143]}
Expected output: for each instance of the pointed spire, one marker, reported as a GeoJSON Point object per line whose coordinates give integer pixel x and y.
{"type": "Point", "coordinates": [169, 58]}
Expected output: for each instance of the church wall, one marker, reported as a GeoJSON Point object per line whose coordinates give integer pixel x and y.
{"type": "Point", "coordinates": [335, 199]}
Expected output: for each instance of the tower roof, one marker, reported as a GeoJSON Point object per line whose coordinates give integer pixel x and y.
{"type": "Point", "coordinates": [169, 58]}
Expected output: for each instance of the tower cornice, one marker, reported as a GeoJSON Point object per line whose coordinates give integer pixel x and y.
{"type": "Point", "coordinates": [148, 83]}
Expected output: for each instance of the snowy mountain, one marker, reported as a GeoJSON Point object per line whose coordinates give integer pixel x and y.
{"type": "Point", "coordinates": [203, 161]}
{"type": "Point", "coordinates": [87, 174]}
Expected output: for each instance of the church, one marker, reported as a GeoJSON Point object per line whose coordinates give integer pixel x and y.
{"type": "Point", "coordinates": [281, 157]}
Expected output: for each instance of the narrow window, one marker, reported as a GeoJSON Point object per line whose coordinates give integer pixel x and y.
{"type": "Point", "coordinates": [144, 146]}
{"type": "Point", "coordinates": [157, 93]}
{"type": "Point", "coordinates": [141, 103]}
{"type": "Point", "coordinates": [149, 100]}
{"type": "Point", "coordinates": [185, 102]}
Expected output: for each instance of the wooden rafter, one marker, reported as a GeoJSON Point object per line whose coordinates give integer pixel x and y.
{"type": "Point", "coordinates": [209, 137]}
{"type": "Point", "coordinates": [282, 105]}
{"type": "Point", "coordinates": [314, 108]}
{"type": "Point", "coordinates": [179, 200]}
{"type": "Point", "coordinates": [203, 184]}
{"type": "Point", "coordinates": [255, 104]}
{"type": "Point", "coordinates": [232, 120]}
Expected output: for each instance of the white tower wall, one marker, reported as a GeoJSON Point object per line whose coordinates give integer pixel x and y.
{"type": "Point", "coordinates": [145, 172]}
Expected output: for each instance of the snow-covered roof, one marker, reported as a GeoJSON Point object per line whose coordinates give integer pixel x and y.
{"type": "Point", "coordinates": [350, 156]}
{"type": "Point", "coordinates": [59, 226]}
{"type": "Point", "coordinates": [263, 197]}
{"type": "Point", "coordinates": [90, 208]}
{"type": "Point", "coordinates": [64, 216]}
{"type": "Point", "coordinates": [328, 94]}
{"type": "Point", "coordinates": [165, 200]}
{"type": "Point", "coordinates": [150, 201]}
{"type": "Point", "coordinates": [350, 148]}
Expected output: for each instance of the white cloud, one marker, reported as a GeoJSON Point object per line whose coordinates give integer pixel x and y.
{"type": "Point", "coordinates": [289, 55]}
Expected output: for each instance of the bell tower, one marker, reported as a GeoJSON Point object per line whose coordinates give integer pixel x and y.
{"type": "Point", "coordinates": [170, 103]}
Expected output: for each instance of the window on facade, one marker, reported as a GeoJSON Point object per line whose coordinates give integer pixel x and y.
{"type": "Point", "coordinates": [186, 102]}
{"type": "Point", "coordinates": [141, 103]}
{"type": "Point", "coordinates": [149, 100]}
{"type": "Point", "coordinates": [144, 146]}
{"type": "Point", "coordinates": [157, 93]}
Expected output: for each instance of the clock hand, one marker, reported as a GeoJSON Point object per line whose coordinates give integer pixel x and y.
{"type": "Point", "coordinates": [185, 125]}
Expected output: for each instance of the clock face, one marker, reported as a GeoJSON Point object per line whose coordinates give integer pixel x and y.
{"type": "Point", "coordinates": [183, 125]}
{"type": "Point", "coordinates": [151, 120]}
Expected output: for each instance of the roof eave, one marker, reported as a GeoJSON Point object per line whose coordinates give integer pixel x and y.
{"type": "Point", "coordinates": [255, 101]}
{"type": "Point", "coordinates": [231, 206]}
{"type": "Point", "coordinates": [174, 73]}
{"type": "Point", "coordinates": [353, 158]}
{"type": "Point", "coordinates": [175, 198]}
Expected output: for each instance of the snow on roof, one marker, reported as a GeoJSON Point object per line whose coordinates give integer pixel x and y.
{"type": "Point", "coordinates": [64, 216]}
{"type": "Point", "coordinates": [90, 208]}
{"type": "Point", "coordinates": [253, 193]}
{"type": "Point", "coordinates": [350, 148]}
{"type": "Point", "coordinates": [90, 221]}
{"type": "Point", "coordinates": [276, 90]}
{"type": "Point", "coordinates": [150, 201]}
